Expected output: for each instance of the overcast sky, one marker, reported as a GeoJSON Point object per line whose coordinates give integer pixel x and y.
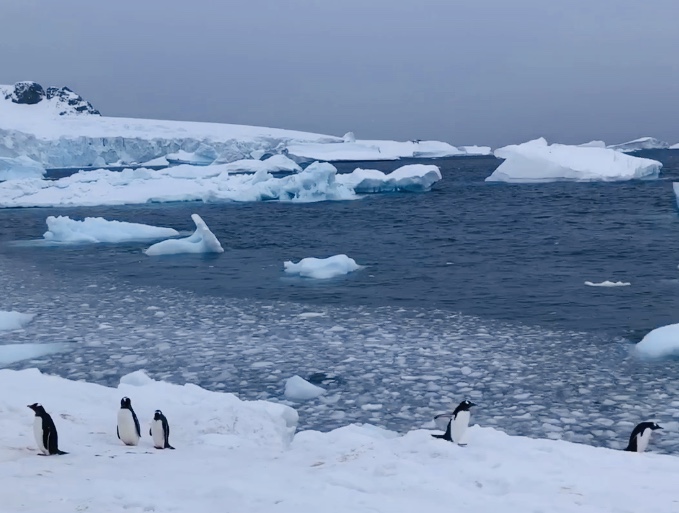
{"type": "Point", "coordinates": [467, 72]}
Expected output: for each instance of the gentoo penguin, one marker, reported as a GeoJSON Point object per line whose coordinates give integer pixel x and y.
{"type": "Point", "coordinates": [456, 423]}
{"type": "Point", "coordinates": [160, 431]}
{"type": "Point", "coordinates": [128, 425]}
{"type": "Point", "coordinates": [641, 435]}
{"type": "Point", "coordinates": [45, 431]}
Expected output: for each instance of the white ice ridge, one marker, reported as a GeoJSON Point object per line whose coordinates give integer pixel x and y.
{"type": "Point", "coordinates": [19, 168]}
{"type": "Point", "coordinates": [536, 161]}
{"type": "Point", "coordinates": [299, 389]}
{"type": "Point", "coordinates": [10, 321]}
{"type": "Point", "coordinates": [413, 177]}
{"type": "Point", "coordinates": [322, 268]}
{"type": "Point", "coordinates": [608, 284]}
{"type": "Point", "coordinates": [318, 182]}
{"type": "Point", "coordinates": [224, 446]}
{"type": "Point", "coordinates": [643, 143]}
{"type": "Point", "coordinates": [201, 241]}
{"type": "Point", "coordinates": [660, 342]}
{"type": "Point", "coordinates": [98, 229]}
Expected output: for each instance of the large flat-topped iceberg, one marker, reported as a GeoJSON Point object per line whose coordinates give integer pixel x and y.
{"type": "Point", "coordinates": [412, 178]}
{"type": "Point", "coordinates": [98, 229]}
{"type": "Point", "coordinates": [643, 143]}
{"type": "Point", "coordinates": [536, 161]}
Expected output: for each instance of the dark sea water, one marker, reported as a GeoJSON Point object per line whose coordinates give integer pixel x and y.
{"type": "Point", "coordinates": [470, 290]}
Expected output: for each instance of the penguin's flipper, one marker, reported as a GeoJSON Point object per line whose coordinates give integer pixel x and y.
{"type": "Point", "coordinates": [446, 436]}
{"type": "Point", "coordinates": [118, 432]}
{"type": "Point", "coordinates": [150, 434]}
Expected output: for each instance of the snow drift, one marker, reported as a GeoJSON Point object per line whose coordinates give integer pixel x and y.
{"type": "Point", "coordinates": [98, 229]}
{"type": "Point", "coordinates": [536, 161]}
{"type": "Point", "coordinates": [322, 268]}
{"type": "Point", "coordinates": [201, 241]}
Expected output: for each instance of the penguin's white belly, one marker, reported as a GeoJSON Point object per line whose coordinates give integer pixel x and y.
{"type": "Point", "coordinates": [643, 439]}
{"type": "Point", "coordinates": [127, 430]}
{"type": "Point", "coordinates": [37, 431]}
{"type": "Point", "coordinates": [459, 426]}
{"type": "Point", "coordinates": [157, 434]}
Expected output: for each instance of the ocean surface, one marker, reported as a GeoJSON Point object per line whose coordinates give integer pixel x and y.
{"type": "Point", "coordinates": [472, 290]}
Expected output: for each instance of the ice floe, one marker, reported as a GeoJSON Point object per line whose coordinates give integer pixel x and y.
{"type": "Point", "coordinates": [322, 268]}
{"type": "Point", "coordinates": [98, 229]}
{"type": "Point", "coordinates": [537, 161]}
{"type": "Point", "coordinates": [663, 341]}
{"type": "Point", "coordinates": [14, 320]}
{"type": "Point", "coordinates": [201, 241]}
{"type": "Point", "coordinates": [607, 283]}
{"type": "Point", "coordinates": [19, 168]}
{"type": "Point", "coordinates": [299, 389]}
{"type": "Point", "coordinates": [12, 353]}
{"type": "Point", "coordinates": [367, 150]}
{"type": "Point", "coordinates": [413, 177]}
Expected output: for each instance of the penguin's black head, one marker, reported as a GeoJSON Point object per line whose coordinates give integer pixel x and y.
{"type": "Point", "coordinates": [37, 408]}
{"type": "Point", "coordinates": [158, 415]}
{"type": "Point", "coordinates": [126, 403]}
{"type": "Point", "coordinates": [465, 405]}
{"type": "Point", "coordinates": [655, 426]}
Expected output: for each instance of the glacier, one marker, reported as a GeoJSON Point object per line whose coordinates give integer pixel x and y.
{"type": "Point", "coordinates": [98, 229]}
{"type": "Point", "coordinates": [536, 161]}
{"type": "Point", "coordinates": [322, 268]}
{"type": "Point", "coordinates": [201, 241]}
{"type": "Point", "coordinates": [643, 143]}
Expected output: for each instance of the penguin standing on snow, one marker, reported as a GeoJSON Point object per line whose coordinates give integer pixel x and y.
{"type": "Point", "coordinates": [641, 435]}
{"type": "Point", "coordinates": [455, 423]}
{"type": "Point", "coordinates": [160, 431]}
{"type": "Point", "coordinates": [45, 431]}
{"type": "Point", "coordinates": [128, 424]}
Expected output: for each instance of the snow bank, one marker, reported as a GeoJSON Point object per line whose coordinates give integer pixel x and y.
{"type": "Point", "coordinates": [201, 241]}
{"type": "Point", "coordinates": [660, 342]}
{"type": "Point", "coordinates": [608, 284]}
{"type": "Point", "coordinates": [414, 177]}
{"type": "Point", "coordinates": [98, 229]}
{"type": "Point", "coordinates": [181, 183]}
{"type": "Point", "coordinates": [10, 321]}
{"type": "Point", "coordinates": [536, 161]}
{"type": "Point", "coordinates": [12, 353]}
{"type": "Point", "coordinates": [367, 150]}
{"type": "Point", "coordinates": [322, 268]}
{"type": "Point", "coordinates": [643, 143]}
{"type": "Point", "coordinates": [299, 389]}
{"type": "Point", "coordinates": [19, 168]}
{"type": "Point", "coordinates": [225, 446]}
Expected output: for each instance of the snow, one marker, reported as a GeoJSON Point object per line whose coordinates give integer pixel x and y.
{"type": "Point", "coordinates": [608, 284]}
{"type": "Point", "coordinates": [413, 177]}
{"type": "Point", "coordinates": [593, 144]}
{"type": "Point", "coordinates": [19, 168]}
{"type": "Point", "coordinates": [643, 143]}
{"type": "Point", "coordinates": [201, 241]}
{"type": "Point", "coordinates": [322, 268]}
{"type": "Point", "coordinates": [536, 161]}
{"type": "Point", "coordinates": [660, 342]}
{"type": "Point", "coordinates": [98, 229]}
{"type": "Point", "coordinates": [299, 389]}
{"type": "Point", "coordinates": [225, 446]}
{"type": "Point", "coordinates": [10, 321]}
{"type": "Point", "coordinates": [274, 164]}
{"type": "Point", "coordinates": [12, 353]}
{"type": "Point", "coordinates": [372, 150]}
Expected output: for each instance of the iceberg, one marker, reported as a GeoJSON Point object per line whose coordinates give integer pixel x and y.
{"type": "Point", "coordinates": [593, 144]}
{"type": "Point", "coordinates": [674, 147]}
{"type": "Point", "coordinates": [12, 353]}
{"type": "Point", "coordinates": [372, 150]}
{"type": "Point", "coordinates": [643, 143]}
{"type": "Point", "coordinates": [19, 168]}
{"type": "Point", "coordinates": [98, 229]}
{"type": "Point", "coordinates": [273, 164]}
{"type": "Point", "coordinates": [608, 283]}
{"type": "Point", "coordinates": [299, 389]}
{"type": "Point", "coordinates": [201, 241]}
{"type": "Point", "coordinates": [536, 161]}
{"type": "Point", "coordinates": [660, 342]}
{"type": "Point", "coordinates": [10, 321]}
{"type": "Point", "coordinates": [229, 444]}
{"type": "Point", "coordinates": [322, 268]}
{"type": "Point", "coordinates": [412, 178]}
{"type": "Point", "coordinates": [476, 150]}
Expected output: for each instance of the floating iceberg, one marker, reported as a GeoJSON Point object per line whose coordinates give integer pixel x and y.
{"type": "Point", "coordinates": [322, 268]}
{"type": "Point", "coordinates": [12, 353]}
{"type": "Point", "coordinates": [19, 168]}
{"type": "Point", "coordinates": [536, 161]}
{"type": "Point", "coordinates": [660, 342]}
{"type": "Point", "coordinates": [413, 178]}
{"type": "Point", "coordinates": [674, 147]}
{"type": "Point", "coordinates": [476, 150]}
{"type": "Point", "coordinates": [98, 229]}
{"type": "Point", "coordinates": [372, 150]}
{"type": "Point", "coordinates": [643, 143]}
{"type": "Point", "coordinates": [201, 241]}
{"type": "Point", "coordinates": [10, 321]}
{"type": "Point", "coordinates": [299, 389]}
{"type": "Point", "coordinates": [608, 284]}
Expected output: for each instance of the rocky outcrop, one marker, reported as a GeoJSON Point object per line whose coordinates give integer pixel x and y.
{"type": "Point", "coordinates": [66, 101]}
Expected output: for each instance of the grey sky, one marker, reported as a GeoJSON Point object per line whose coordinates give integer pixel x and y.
{"type": "Point", "coordinates": [467, 72]}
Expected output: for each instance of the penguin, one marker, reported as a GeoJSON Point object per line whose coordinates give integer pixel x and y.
{"type": "Point", "coordinates": [128, 424]}
{"type": "Point", "coordinates": [641, 435]}
{"type": "Point", "coordinates": [160, 431]}
{"type": "Point", "coordinates": [45, 432]}
{"type": "Point", "coordinates": [456, 423]}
